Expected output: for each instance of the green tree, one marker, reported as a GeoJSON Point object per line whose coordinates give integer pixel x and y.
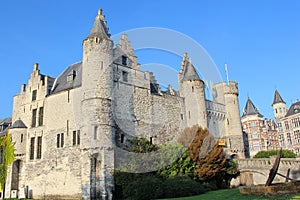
{"type": "Point", "coordinates": [7, 157]}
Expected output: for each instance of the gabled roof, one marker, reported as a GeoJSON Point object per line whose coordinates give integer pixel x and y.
{"type": "Point", "coordinates": [62, 83]}
{"type": "Point", "coordinates": [100, 29]}
{"type": "Point", "coordinates": [18, 124]}
{"type": "Point", "coordinates": [250, 109]}
{"type": "Point", "coordinates": [277, 98]}
{"type": "Point", "coordinates": [294, 109]}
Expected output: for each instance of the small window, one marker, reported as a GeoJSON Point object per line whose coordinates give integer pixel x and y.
{"type": "Point", "coordinates": [39, 148]}
{"type": "Point", "coordinates": [254, 135]}
{"type": "Point", "coordinates": [34, 92]}
{"type": "Point", "coordinates": [76, 137]}
{"type": "Point", "coordinates": [21, 138]}
{"type": "Point", "coordinates": [125, 76]}
{"type": "Point", "coordinates": [189, 114]}
{"type": "Point", "coordinates": [124, 60]}
{"type": "Point", "coordinates": [181, 115]}
{"type": "Point", "coordinates": [192, 88]}
{"type": "Point", "coordinates": [95, 132]}
{"type": "Point", "coordinates": [122, 138]}
{"type": "Point", "coordinates": [276, 111]}
{"type": "Point", "coordinates": [32, 148]}
{"type": "Point", "coordinates": [60, 140]}
{"type": "Point", "coordinates": [33, 122]}
{"type": "Point", "coordinates": [41, 116]}
{"type": "Point", "coordinates": [151, 142]}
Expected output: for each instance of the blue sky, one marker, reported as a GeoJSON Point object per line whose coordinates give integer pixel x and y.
{"type": "Point", "coordinates": [259, 40]}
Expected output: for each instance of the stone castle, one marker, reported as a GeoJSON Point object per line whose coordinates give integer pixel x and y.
{"type": "Point", "coordinates": [66, 129]}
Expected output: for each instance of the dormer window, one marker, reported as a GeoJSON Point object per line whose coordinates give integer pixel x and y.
{"type": "Point", "coordinates": [71, 76]}
{"type": "Point", "coordinates": [124, 60]}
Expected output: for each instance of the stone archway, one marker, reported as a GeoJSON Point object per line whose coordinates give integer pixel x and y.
{"type": "Point", "coordinates": [16, 168]}
{"type": "Point", "coordinates": [95, 191]}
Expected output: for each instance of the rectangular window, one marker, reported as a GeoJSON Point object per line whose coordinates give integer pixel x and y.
{"type": "Point", "coordinates": [124, 60]}
{"type": "Point", "coordinates": [34, 92]}
{"type": "Point", "coordinates": [125, 76]}
{"type": "Point", "coordinates": [74, 138]}
{"type": "Point", "coordinates": [95, 132]}
{"type": "Point", "coordinates": [33, 122]}
{"type": "Point", "coordinates": [282, 142]}
{"type": "Point", "coordinates": [32, 148]}
{"type": "Point", "coordinates": [289, 139]}
{"type": "Point", "coordinates": [280, 127]}
{"type": "Point", "coordinates": [287, 127]}
{"type": "Point", "coordinates": [41, 116]}
{"type": "Point", "coordinates": [122, 138]}
{"type": "Point", "coordinates": [297, 136]}
{"type": "Point", "coordinates": [39, 148]}
{"type": "Point", "coordinates": [254, 135]}
{"type": "Point", "coordinates": [58, 140]}
{"type": "Point", "coordinates": [62, 140]}
{"type": "Point", "coordinates": [256, 146]}
{"type": "Point", "coordinates": [22, 137]}
{"type": "Point", "coordinates": [78, 137]}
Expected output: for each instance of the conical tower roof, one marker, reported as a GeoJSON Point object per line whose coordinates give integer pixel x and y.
{"type": "Point", "coordinates": [277, 98]}
{"type": "Point", "coordinates": [99, 29]}
{"type": "Point", "coordinates": [250, 109]}
{"type": "Point", "coordinates": [188, 70]}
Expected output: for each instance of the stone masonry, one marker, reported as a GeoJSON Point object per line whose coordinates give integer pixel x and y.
{"type": "Point", "coordinates": [67, 129]}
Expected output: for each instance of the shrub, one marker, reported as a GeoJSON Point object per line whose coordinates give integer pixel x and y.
{"type": "Point", "coordinates": [268, 154]}
{"type": "Point", "coordinates": [181, 186]}
{"type": "Point", "coordinates": [148, 187]}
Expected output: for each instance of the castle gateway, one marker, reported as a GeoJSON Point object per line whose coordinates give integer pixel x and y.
{"type": "Point", "coordinates": [66, 129]}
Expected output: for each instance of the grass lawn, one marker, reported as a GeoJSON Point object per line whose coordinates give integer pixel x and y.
{"type": "Point", "coordinates": [234, 194]}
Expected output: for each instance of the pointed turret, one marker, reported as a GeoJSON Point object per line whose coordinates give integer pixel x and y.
{"type": "Point", "coordinates": [99, 29]}
{"type": "Point", "coordinates": [191, 88]}
{"type": "Point", "coordinates": [277, 98]}
{"type": "Point", "coordinates": [250, 109]}
{"type": "Point", "coordinates": [187, 71]}
{"type": "Point", "coordinates": [279, 106]}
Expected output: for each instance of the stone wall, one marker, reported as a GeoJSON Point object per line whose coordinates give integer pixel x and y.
{"type": "Point", "coordinates": [256, 171]}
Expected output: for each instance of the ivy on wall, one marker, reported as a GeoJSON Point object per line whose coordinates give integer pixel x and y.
{"type": "Point", "coordinates": [6, 157]}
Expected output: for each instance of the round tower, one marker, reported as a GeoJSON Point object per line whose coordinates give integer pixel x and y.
{"type": "Point", "coordinates": [191, 87]}
{"type": "Point", "coordinates": [234, 133]}
{"type": "Point", "coordinates": [97, 140]}
{"type": "Point", "coordinates": [279, 106]}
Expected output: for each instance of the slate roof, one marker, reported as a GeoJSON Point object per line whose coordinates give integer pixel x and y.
{"type": "Point", "coordinates": [4, 123]}
{"type": "Point", "coordinates": [189, 73]}
{"type": "Point", "coordinates": [250, 109]}
{"type": "Point", "coordinates": [99, 29]}
{"type": "Point", "coordinates": [277, 98]}
{"type": "Point", "coordinates": [61, 83]}
{"type": "Point", "coordinates": [18, 124]}
{"type": "Point", "coordinates": [294, 109]}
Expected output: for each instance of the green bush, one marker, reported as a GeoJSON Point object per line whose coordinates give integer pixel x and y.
{"type": "Point", "coordinates": [181, 186]}
{"type": "Point", "coordinates": [268, 154]}
{"type": "Point", "coordinates": [148, 187]}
